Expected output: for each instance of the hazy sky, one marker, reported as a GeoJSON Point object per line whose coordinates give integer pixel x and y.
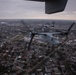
{"type": "Point", "coordinates": [22, 9]}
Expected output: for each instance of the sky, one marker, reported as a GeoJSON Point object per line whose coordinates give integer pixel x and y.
{"type": "Point", "coordinates": [22, 9]}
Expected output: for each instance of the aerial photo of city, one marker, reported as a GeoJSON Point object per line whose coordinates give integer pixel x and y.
{"type": "Point", "coordinates": [33, 43]}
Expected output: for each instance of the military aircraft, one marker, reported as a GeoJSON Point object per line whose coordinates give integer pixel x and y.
{"type": "Point", "coordinates": [49, 37]}
{"type": "Point", "coordinates": [53, 6]}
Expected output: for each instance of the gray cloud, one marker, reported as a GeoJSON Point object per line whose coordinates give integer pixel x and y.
{"type": "Point", "coordinates": [20, 6]}
{"type": "Point", "coordinates": [71, 5]}
{"type": "Point", "coordinates": [30, 9]}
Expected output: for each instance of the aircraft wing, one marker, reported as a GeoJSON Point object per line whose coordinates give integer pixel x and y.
{"type": "Point", "coordinates": [53, 6]}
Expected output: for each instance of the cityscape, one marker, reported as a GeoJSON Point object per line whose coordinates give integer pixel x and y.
{"type": "Point", "coordinates": [41, 58]}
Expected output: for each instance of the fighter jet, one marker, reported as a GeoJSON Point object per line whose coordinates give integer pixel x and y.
{"type": "Point", "coordinates": [53, 6]}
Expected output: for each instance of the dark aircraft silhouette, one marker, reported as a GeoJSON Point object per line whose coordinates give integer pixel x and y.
{"type": "Point", "coordinates": [53, 6]}
{"type": "Point", "coordinates": [49, 37]}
